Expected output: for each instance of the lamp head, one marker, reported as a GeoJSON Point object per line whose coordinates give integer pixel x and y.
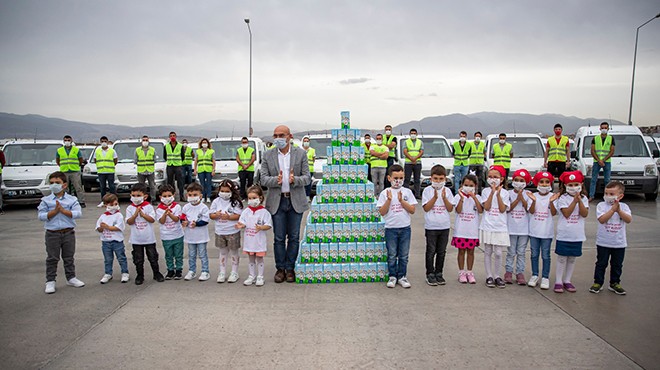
{"type": "Point", "coordinates": [658, 16]}
{"type": "Point", "coordinates": [247, 20]}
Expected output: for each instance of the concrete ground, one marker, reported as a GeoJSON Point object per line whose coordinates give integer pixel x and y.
{"type": "Point", "coordinates": [179, 324]}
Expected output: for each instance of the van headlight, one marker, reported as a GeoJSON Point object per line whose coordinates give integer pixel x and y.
{"type": "Point", "coordinates": [86, 170]}
{"type": "Point", "coordinates": [159, 174]}
{"type": "Point", "coordinates": [650, 170]}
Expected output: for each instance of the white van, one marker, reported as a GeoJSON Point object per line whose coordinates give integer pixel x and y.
{"type": "Point", "coordinates": [632, 162]}
{"type": "Point", "coordinates": [28, 165]}
{"type": "Point", "coordinates": [225, 158]}
{"type": "Point", "coordinates": [436, 151]}
{"type": "Point", "coordinates": [528, 151]}
{"type": "Point", "coordinates": [89, 174]}
{"type": "Point", "coordinates": [320, 143]}
{"type": "Point", "coordinates": [126, 169]}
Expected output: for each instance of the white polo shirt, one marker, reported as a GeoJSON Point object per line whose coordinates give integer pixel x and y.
{"type": "Point", "coordinates": [284, 161]}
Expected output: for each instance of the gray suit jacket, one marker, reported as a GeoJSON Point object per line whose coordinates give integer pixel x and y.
{"type": "Point", "coordinates": [270, 169]}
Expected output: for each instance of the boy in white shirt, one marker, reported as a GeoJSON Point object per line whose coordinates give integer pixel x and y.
{"type": "Point", "coordinates": [195, 218]}
{"type": "Point", "coordinates": [437, 203]}
{"type": "Point", "coordinates": [140, 215]}
{"type": "Point", "coordinates": [111, 227]}
{"type": "Point", "coordinates": [168, 214]}
{"type": "Point", "coordinates": [396, 204]}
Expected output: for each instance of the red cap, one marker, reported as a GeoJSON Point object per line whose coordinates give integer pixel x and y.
{"type": "Point", "coordinates": [499, 169]}
{"type": "Point", "coordinates": [542, 175]}
{"type": "Point", "coordinates": [572, 176]}
{"type": "Point", "coordinates": [524, 174]}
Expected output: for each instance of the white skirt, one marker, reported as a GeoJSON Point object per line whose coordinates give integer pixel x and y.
{"type": "Point", "coordinates": [494, 238]}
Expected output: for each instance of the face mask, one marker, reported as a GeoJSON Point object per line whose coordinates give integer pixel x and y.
{"type": "Point", "coordinates": [104, 145]}
{"type": "Point", "coordinates": [367, 141]}
{"type": "Point", "coordinates": [610, 199]}
{"type": "Point", "coordinates": [477, 139]}
{"type": "Point", "coordinates": [557, 132]}
{"type": "Point", "coordinates": [388, 132]}
{"type": "Point", "coordinates": [137, 200]}
{"type": "Point", "coordinates": [224, 195]}
{"type": "Point", "coordinates": [468, 189]}
{"type": "Point", "coordinates": [462, 139]}
{"type": "Point", "coordinates": [173, 139]}
{"type": "Point", "coordinates": [603, 131]}
{"type": "Point", "coordinates": [245, 146]}
{"type": "Point", "coordinates": [254, 202]}
{"type": "Point", "coordinates": [205, 145]}
{"type": "Point", "coordinates": [493, 182]}
{"type": "Point", "coordinates": [67, 144]}
{"type": "Point", "coordinates": [572, 190]}
{"type": "Point", "coordinates": [397, 184]}
{"type": "Point", "coordinates": [55, 188]}
{"type": "Point", "coordinates": [306, 144]}
{"type": "Point", "coordinates": [112, 209]}
{"type": "Point", "coordinates": [379, 142]}
{"type": "Point", "coordinates": [185, 145]}
{"type": "Point", "coordinates": [502, 142]}
{"type": "Point", "coordinates": [194, 200]}
{"type": "Point", "coordinates": [544, 189]}
{"type": "Point", "coordinates": [145, 144]}
{"type": "Point", "coordinates": [438, 185]}
{"type": "Point", "coordinates": [518, 185]}
{"type": "Point", "coordinates": [280, 143]}
{"type": "Point", "coordinates": [413, 136]}
{"type": "Point", "coordinates": [167, 200]}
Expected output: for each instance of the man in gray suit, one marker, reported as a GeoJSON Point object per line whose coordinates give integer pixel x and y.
{"type": "Point", "coordinates": [285, 173]}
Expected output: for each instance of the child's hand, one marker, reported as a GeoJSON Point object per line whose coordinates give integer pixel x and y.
{"type": "Point", "coordinates": [58, 206]}
{"type": "Point", "coordinates": [554, 197]}
{"type": "Point", "coordinates": [193, 224]}
{"type": "Point", "coordinates": [400, 197]}
{"type": "Point", "coordinates": [239, 225]}
{"type": "Point", "coordinates": [531, 196]}
{"type": "Point", "coordinates": [435, 194]}
{"type": "Point", "coordinates": [184, 224]}
{"type": "Point", "coordinates": [224, 216]}
{"type": "Point", "coordinates": [616, 207]}
{"type": "Point", "coordinates": [104, 226]}
{"type": "Point", "coordinates": [389, 194]}
{"type": "Point", "coordinates": [577, 197]}
{"type": "Point", "coordinates": [260, 227]}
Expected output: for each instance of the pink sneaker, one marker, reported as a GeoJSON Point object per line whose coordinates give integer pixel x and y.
{"type": "Point", "coordinates": [520, 279]}
{"type": "Point", "coordinates": [559, 288]}
{"type": "Point", "coordinates": [470, 277]}
{"type": "Point", "coordinates": [570, 287]}
{"type": "Point", "coordinates": [508, 277]}
{"type": "Point", "coordinates": [462, 277]}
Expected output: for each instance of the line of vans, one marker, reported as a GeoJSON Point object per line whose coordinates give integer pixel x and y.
{"type": "Point", "coordinates": [528, 152]}
{"type": "Point", "coordinates": [436, 151]}
{"type": "Point", "coordinates": [225, 158]}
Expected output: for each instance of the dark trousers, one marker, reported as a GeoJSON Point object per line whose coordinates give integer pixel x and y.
{"type": "Point", "coordinates": [176, 172]}
{"type": "Point", "coordinates": [436, 249]}
{"type": "Point", "coordinates": [556, 168]}
{"type": "Point", "coordinates": [615, 258]}
{"type": "Point", "coordinates": [308, 187]}
{"type": "Point", "coordinates": [286, 230]}
{"type": "Point", "coordinates": [414, 170]}
{"type": "Point", "coordinates": [369, 171]}
{"type": "Point", "coordinates": [107, 181]}
{"type": "Point", "coordinates": [138, 258]}
{"type": "Point", "coordinates": [246, 178]}
{"type": "Point", "coordinates": [187, 174]}
{"type": "Point", "coordinates": [390, 162]}
{"type": "Point", "coordinates": [478, 170]}
{"type": "Point", "coordinates": [64, 245]}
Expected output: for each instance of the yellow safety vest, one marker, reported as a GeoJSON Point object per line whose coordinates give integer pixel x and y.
{"type": "Point", "coordinates": [603, 149]}
{"type": "Point", "coordinates": [69, 162]}
{"type": "Point", "coordinates": [245, 156]}
{"type": "Point", "coordinates": [413, 148]}
{"type": "Point", "coordinates": [377, 162]}
{"type": "Point", "coordinates": [388, 140]}
{"type": "Point", "coordinates": [145, 162]}
{"type": "Point", "coordinates": [557, 150]}
{"type": "Point", "coordinates": [477, 153]}
{"type": "Point", "coordinates": [188, 158]}
{"type": "Point", "coordinates": [205, 160]}
{"type": "Point", "coordinates": [367, 154]}
{"type": "Point", "coordinates": [105, 164]}
{"type": "Point", "coordinates": [173, 156]}
{"type": "Point", "coordinates": [461, 154]}
{"type": "Point", "coordinates": [502, 157]}
{"type": "Point", "coordinates": [311, 153]}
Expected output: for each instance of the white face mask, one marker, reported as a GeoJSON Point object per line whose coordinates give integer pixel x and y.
{"type": "Point", "coordinates": [205, 145]}
{"type": "Point", "coordinates": [137, 200]}
{"type": "Point", "coordinates": [413, 136]}
{"type": "Point", "coordinates": [224, 195]}
{"type": "Point", "coordinates": [502, 142]}
{"type": "Point", "coordinates": [167, 200]}
{"type": "Point", "coordinates": [462, 139]}
{"type": "Point", "coordinates": [379, 142]}
{"type": "Point", "coordinates": [112, 209]}
{"type": "Point", "coordinates": [388, 132]}
{"type": "Point", "coordinates": [604, 131]}
{"type": "Point", "coordinates": [184, 144]}
{"type": "Point", "coordinates": [493, 182]}
{"type": "Point", "coordinates": [280, 143]}
{"type": "Point", "coordinates": [367, 141]}
{"type": "Point", "coordinates": [468, 189]}
{"type": "Point", "coordinates": [255, 202]}
{"type": "Point", "coordinates": [518, 185]}
{"type": "Point", "coordinates": [104, 145]}
{"type": "Point", "coordinates": [438, 185]}
{"type": "Point", "coordinates": [397, 184]}
{"type": "Point", "coordinates": [306, 144]}
{"type": "Point", "coordinates": [194, 200]}
{"type": "Point", "coordinates": [544, 189]}
{"type": "Point", "coordinates": [477, 139]}
{"type": "Point", "coordinates": [145, 144]}
{"type": "Point", "coordinates": [244, 146]}
{"type": "Point", "coordinates": [55, 188]}
{"type": "Point", "coordinates": [67, 144]}
{"type": "Point", "coordinates": [609, 199]}
{"type": "Point", "coordinates": [572, 190]}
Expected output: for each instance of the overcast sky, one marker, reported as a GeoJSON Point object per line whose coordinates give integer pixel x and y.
{"type": "Point", "coordinates": [187, 62]}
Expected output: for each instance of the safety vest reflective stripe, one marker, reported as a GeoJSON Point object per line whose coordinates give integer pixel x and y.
{"type": "Point", "coordinates": [557, 150]}
{"type": "Point", "coordinates": [188, 158]}
{"type": "Point", "coordinates": [477, 153]}
{"type": "Point", "coordinates": [69, 162]}
{"type": "Point", "coordinates": [413, 148]}
{"type": "Point", "coordinates": [105, 164]}
{"type": "Point", "coordinates": [245, 156]}
{"type": "Point", "coordinates": [502, 157]}
{"type": "Point", "coordinates": [461, 154]}
{"type": "Point", "coordinates": [205, 160]}
{"type": "Point", "coordinates": [603, 148]}
{"type": "Point", "coordinates": [145, 162]}
{"type": "Point", "coordinates": [173, 156]}
{"type": "Point", "coordinates": [367, 154]}
{"type": "Point", "coordinates": [388, 140]}
{"type": "Point", "coordinates": [376, 162]}
{"type": "Point", "coordinates": [311, 153]}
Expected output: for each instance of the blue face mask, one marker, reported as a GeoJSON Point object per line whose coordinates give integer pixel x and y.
{"type": "Point", "coordinates": [280, 143]}
{"type": "Point", "coordinates": [55, 188]}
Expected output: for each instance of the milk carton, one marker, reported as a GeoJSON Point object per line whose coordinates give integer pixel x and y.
{"type": "Point", "coordinates": [363, 232]}
{"type": "Point", "coordinates": [334, 252]}
{"type": "Point", "coordinates": [361, 249]}
{"type": "Point", "coordinates": [336, 273]}
{"type": "Point", "coordinates": [357, 210]}
{"type": "Point", "coordinates": [355, 154]}
{"type": "Point", "coordinates": [375, 214]}
{"type": "Point", "coordinates": [334, 193]}
{"type": "Point", "coordinates": [332, 212]}
{"type": "Point", "coordinates": [318, 273]}
{"type": "Point", "coordinates": [300, 273]}
{"type": "Point", "coordinates": [346, 273]}
{"type": "Point", "coordinates": [355, 273]}
{"type": "Point", "coordinates": [361, 155]}
{"type": "Point", "coordinates": [373, 231]}
{"type": "Point", "coordinates": [327, 174]}
{"type": "Point", "coordinates": [342, 254]}
{"type": "Point", "coordinates": [382, 271]}
{"type": "Point", "coordinates": [335, 137]}
{"type": "Point", "coordinates": [362, 173]}
{"type": "Point", "coordinates": [352, 252]}
{"type": "Point", "coordinates": [314, 253]}
{"type": "Point", "coordinates": [310, 233]}
{"type": "Point", "coordinates": [304, 252]}
{"type": "Point", "coordinates": [336, 155]}
{"type": "Point", "coordinates": [324, 252]}
{"type": "Point", "coordinates": [327, 232]}
{"type": "Point", "coordinates": [372, 272]}
{"type": "Point", "coordinates": [323, 213]}
{"type": "Point", "coordinates": [380, 236]}
{"type": "Point", "coordinates": [369, 192]}
{"type": "Point", "coordinates": [383, 252]}
{"type": "Point", "coordinates": [343, 193]}
{"type": "Point", "coordinates": [327, 273]}
{"type": "Point", "coordinates": [336, 174]}
{"type": "Point", "coordinates": [345, 155]}
{"type": "Point", "coordinates": [352, 174]}
{"type": "Point", "coordinates": [345, 120]}
{"type": "Point", "coordinates": [370, 252]}
{"type": "Point", "coordinates": [364, 273]}
{"type": "Point", "coordinates": [351, 190]}
{"type": "Point", "coordinates": [341, 137]}
{"type": "Point", "coordinates": [314, 212]}
{"type": "Point", "coordinates": [360, 193]}
{"type": "Point", "coordinates": [350, 137]}
{"type": "Point", "coordinates": [357, 133]}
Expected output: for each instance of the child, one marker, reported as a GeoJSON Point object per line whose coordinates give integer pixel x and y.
{"type": "Point", "coordinates": [226, 209]}
{"type": "Point", "coordinates": [58, 211]}
{"type": "Point", "coordinates": [518, 224]}
{"type": "Point", "coordinates": [111, 227]}
{"type": "Point", "coordinates": [195, 217]}
{"type": "Point", "coordinates": [574, 207]}
{"type": "Point", "coordinates": [140, 215]}
{"type": "Point", "coordinates": [541, 227]}
{"type": "Point", "coordinates": [396, 204]}
{"type": "Point", "coordinates": [466, 229]}
{"type": "Point", "coordinates": [611, 238]}
{"type": "Point", "coordinates": [493, 231]}
{"type": "Point", "coordinates": [168, 214]}
{"type": "Point", "coordinates": [436, 200]}
{"type": "Point", "coordinates": [255, 220]}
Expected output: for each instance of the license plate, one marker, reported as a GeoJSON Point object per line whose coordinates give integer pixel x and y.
{"type": "Point", "coordinates": [22, 193]}
{"type": "Point", "coordinates": [628, 182]}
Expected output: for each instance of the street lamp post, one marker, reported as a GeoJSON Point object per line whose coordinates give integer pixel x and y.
{"type": "Point", "coordinates": [632, 85]}
{"type": "Point", "coordinates": [247, 21]}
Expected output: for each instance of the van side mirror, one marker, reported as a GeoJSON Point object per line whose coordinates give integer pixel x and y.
{"type": "Point", "coordinates": [573, 153]}
{"type": "Point", "coordinates": [656, 153]}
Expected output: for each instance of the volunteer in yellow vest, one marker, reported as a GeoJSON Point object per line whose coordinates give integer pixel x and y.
{"type": "Point", "coordinates": [557, 157]}
{"type": "Point", "coordinates": [174, 156]}
{"type": "Point", "coordinates": [502, 153]}
{"type": "Point", "coordinates": [145, 158]}
{"type": "Point", "coordinates": [413, 149]}
{"type": "Point", "coordinates": [205, 167]}
{"type": "Point", "coordinates": [311, 157]}
{"type": "Point", "coordinates": [70, 160]}
{"type": "Point", "coordinates": [367, 154]}
{"type": "Point", "coordinates": [106, 160]}
{"type": "Point", "coordinates": [602, 150]}
{"type": "Point", "coordinates": [379, 153]}
{"type": "Point", "coordinates": [478, 158]}
{"type": "Point", "coordinates": [2, 164]}
{"type": "Point", "coordinates": [188, 159]}
{"type": "Point", "coordinates": [390, 141]}
{"type": "Point", "coordinates": [245, 158]}
{"type": "Point", "coordinates": [462, 150]}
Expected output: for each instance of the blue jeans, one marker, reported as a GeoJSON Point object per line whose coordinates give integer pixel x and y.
{"type": "Point", "coordinates": [111, 249]}
{"type": "Point", "coordinates": [398, 246]}
{"type": "Point", "coordinates": [195, 250]}
{"type": "Point", "coordinates": [107, 182]}
{"type": "Point", "coordinates": [607, 172]}
{"type": "Point", "coordinates": [205, 179]}
{"type": "Point", "coordinates": [286, 223]}
{"type": "Point", "coordinates": [459, 173]}
{"type": "Point", "coordinates": [516, 250]}
{"type": "Point", "coordinates": [541, 247]}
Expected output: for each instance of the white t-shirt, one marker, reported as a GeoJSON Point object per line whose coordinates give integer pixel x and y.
{"type": "Point", "coordinates": [438, 217]}
{"type": "Point", "coordinates": [112, 219]}
{"type": "Point", "coordinates": [198, 234]}
{"type": "Point", "coordinates": [142, 232]}
{"type": "Point", "coordinates": [105, 152]}
{"type": "Point", "coordinates": [493, 220]}
{"type": "Point", "coordinates": [467, 222]}
{"type": "Point", "coordinates": [541, 224]}
{"type": "Point", "coordinates": [396, 217]}
{"type": "Point", "coordinates": [611, 234]}
{"type": "Point", "coordinates": [518, 219]}
{"type": "Point", "coordinates": [255, 240]}
{"type": "Point", "coordinates": [170, 230]}
{"type": "Point", "coordinates": [225, 227]}
{"type": "Point", "coordinates": [570, 229]}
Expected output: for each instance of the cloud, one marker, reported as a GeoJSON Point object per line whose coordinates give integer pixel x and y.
{"type": "Point", "coordinates": [353, 81]}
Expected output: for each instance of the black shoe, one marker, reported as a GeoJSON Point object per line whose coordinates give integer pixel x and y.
{"type": "Point", "coordinates": [82, 205]}
{"type": "Point", "coordinates": [500, 283]}
{"type": "Point", "coordinates": [178, 275]}
{"type": "Point", "coordinates": [490, 282]}
{"type": "Point", "coordinates": [139, 280]}
{"type": "Point", "coordinates": [158, 277]}
{"type": "Point", "coordinates": [431, 280]}
{"type": "Point", "coordinates": [170, 275]}
{"type": "Point", "coordinates": [440, 279]}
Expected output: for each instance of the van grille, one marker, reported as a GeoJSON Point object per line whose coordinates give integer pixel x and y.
{"type": "Point", "coordinates": [21, 183]}
{"type": "Point", "coordinates": [127, 178]}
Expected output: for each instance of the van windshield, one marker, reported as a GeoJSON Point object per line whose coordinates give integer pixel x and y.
{"type": "Point", "coordinates": [86, 152]}
{"type": "Point", "coordinates": [126, 151]}
{"type": "Point", "coordinates": [31, 154]}
{"type": "Point", "coordinates": [522, 147]}
{"type": "Point", "coordinates": [226, 150]}
{"type": "Point", "coordinates": [436, 148]}
{"type": "Point", "coordinates": [320, 145]}
{"type": "Point", "coordinates": [624, 146]}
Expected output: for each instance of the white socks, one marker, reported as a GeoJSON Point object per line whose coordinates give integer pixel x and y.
{"type": "Point", "coordinates": [257, 262]}
{"type": "Point", "coordinates": [489, 250]}
{"type": "Point", "coordinates": [235, 259]}
{"type": "Point", "coordinates": [223, 259]}
{"type": "Point", "coordinates": [565, 267]}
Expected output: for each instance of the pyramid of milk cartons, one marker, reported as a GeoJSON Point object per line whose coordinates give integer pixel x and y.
{"type": "Point", "coordinates": [344, 238]}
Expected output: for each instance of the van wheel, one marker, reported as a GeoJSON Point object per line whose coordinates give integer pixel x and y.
{"type": "Point", "coordinates": [651, 196]}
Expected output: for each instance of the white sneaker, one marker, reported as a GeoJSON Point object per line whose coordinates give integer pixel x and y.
{"type": "Point", "coordinates": [100, 205]}
{"type": "Point", "coordinates": [233, 277]}
{"type": "Point", "coordinates": [106, 278]}
{"type": "Point", "coordinates": [545, 283]}
{"type": "Point", "coordinates": [204, 276]}
{"type": "Point", "coordinates": [74, 282]}
{"type": "Point", "coordinates": [221, 277]}
{"type": "Point", "coordinates": [50, 287]}
{"type": "Point", "coordinates": [533, 280]}
{"type": "Point", "coordinates": [392, 282]}
{"type": "Point", "coordinates": [260, 281]}
{"type": "Point", "coordinates": [208, 200]}
{"type": "Point", "coordinates": [125, 277]}
{"type": "Point", "coordinates": [404, 282]}
{"type": "Point", "coordinates": [190, 275]}
{"type": "Point", "coordinates": [249, 280]}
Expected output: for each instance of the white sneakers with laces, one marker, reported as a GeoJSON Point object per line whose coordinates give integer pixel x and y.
{"type": "Point", "coordinates": [404, 282]}
{"type": "Point", "coordinates": [204, 276]}
{"type": "Point", "coordinates": [233, 277]}
{"type": "Point", "coordinates": [190, 275]}
{"type": "Point", "coordinates": [74, 282]}
{"type": "Point", "coordinates": [533, 281]}
{"type": "Point", "coordinates": [50, 287]}
{"type": "Point", "coordinates": [125, 277]}
{"type": "Point", "coordinates": [260, 281]}
{"type": "Point", "coordinates": [100, 205]}
{"type": "Point", "coordinates": [545, 283]}
{"type": "Point", "coordinates": [106, 278]}
{"type": "Point", "coordinates": [221, 277]}
{"type": "Point", "coordinates": [392, 282]}
{"type": "Point", "coordinates": [249, 280]}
